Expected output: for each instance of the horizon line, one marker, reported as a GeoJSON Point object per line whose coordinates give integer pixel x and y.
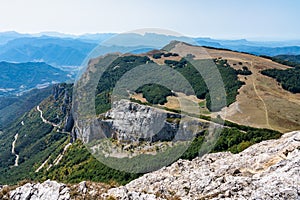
{"type": "Point", "coordinates": [250, 39]}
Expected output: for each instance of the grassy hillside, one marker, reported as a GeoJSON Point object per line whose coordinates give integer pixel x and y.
{"type": "Point", "coordinates": [289, 79]}
{"type": "Point", "coordinates": [78, 164]}
{"type": "Point", "coordinates": [35, 142]}
{"type": "Point", "coordinates": [13, 107]}
{"type": "Point", "coordinates": [156, 94]}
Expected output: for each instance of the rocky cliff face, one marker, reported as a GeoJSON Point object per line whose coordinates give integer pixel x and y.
{"type": "Point", "coordinates": [268, 170]}
{"type": "Point", "coordinates": [130, 122]}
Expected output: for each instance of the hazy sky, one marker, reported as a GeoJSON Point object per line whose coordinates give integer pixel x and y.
{"type": "Point", "coordinates": [252, 19]}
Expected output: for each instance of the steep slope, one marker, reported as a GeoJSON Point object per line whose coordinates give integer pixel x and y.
{"type": "Point", "coordinates": [40, 142]}
{"type": "Point", "coordinates": [31, 141]}
{"type": "Point", "coordinates": [13, 107]}
{"type": "Point", "coordinates": [268, 170]}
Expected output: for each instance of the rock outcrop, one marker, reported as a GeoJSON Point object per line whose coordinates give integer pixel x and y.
{"type": "Point", "coordinates": [130, 122]}
{"type": "Point", "coordinates": [133, 122]}
{"type": "Point", "coordinates": [268, 170]}
{"type": "Point", "coordinates": [49, 190]}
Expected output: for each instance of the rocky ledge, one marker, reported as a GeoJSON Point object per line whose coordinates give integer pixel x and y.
{"type": "Point", "coordinates": [268, 170]}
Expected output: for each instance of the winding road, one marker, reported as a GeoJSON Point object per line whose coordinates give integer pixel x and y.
{"type": "Point", "coordinates": [43, 119]}
{"type": "Point", "coordinates": [60, 156]}
{"type": "Point", "coordinates": [13, 150]}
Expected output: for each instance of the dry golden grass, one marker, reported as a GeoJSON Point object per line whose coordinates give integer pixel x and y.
{"type": "Point", "coordinates": [139, 97]}
{"type": "Point", "coordinates": [261, 102]}
{"type": "Point", "coordinates": [187, 103]}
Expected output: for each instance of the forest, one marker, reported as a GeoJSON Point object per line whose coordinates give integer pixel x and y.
{"type": "Point", "coordinates": [289, 79]}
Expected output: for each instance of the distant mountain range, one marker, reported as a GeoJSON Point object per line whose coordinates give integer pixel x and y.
{"type": "Point", "coordinates": [89, 37]}
{"type": "Point", "coordinates": [256, 48]}
{"type": "Point", "coordinates": [19, 77]}
{"type": "Point", "coordinates": [58, 49]}
{"type": "Point", "coordinates": [55, 51]}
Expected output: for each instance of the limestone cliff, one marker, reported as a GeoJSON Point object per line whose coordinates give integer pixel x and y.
{"type": "Point", "coordinates": [129, 121]}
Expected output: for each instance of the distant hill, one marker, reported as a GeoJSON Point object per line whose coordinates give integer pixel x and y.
{"type": "Point", "coordinates": [10, 35]}
{"type": "Point", "coordinates": [52, 50]}
{"type": "Point", "coordinates": [254, 47]}
{"type": "Point", "coordinates": [19, 77]}
{"type": "Point", "coordinates": [270, 51]}
{"type": "Point", "coordinates": [290, 58]}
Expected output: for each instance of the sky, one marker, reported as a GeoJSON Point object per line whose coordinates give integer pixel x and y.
{"type": "Point", "coordinates": [220, 19]}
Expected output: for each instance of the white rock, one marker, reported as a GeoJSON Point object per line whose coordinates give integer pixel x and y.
{"type": "Point", "coordinates": [268, 170]}
{"type": "Point", "coordinates": [49, 190]}
{"type": "Point", "coordinates": [82, 187]}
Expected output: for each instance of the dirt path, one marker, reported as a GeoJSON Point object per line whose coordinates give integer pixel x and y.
{"type": "Point", "coordinates": [42, 165]}
{"type": "Point", "coordinates": [13, 150]}
{"type": "Point", "coordinates": [256, 91]}
{"type": "Point", "coordinates": [261, 99]}
{"type": "Point", "coordinates": [43, 119]}
{"type": "Point", "coordinates": [60, 156]}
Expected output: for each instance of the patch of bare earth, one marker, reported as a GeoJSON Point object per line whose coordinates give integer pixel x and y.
{"type": "Point", "coordinates": [139, 97]}
{"type": "Point", "coordinates": [187, 103]}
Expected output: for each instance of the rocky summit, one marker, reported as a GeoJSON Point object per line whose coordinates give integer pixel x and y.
{"type": "Point", "coordinates": [267, 170]}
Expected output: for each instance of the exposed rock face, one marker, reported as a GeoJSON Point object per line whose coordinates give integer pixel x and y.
{"type": "Point", "coordinates": [69, 123]}
{"type": "Point", "coordinates": [128, 121]}
{"type": "Point", "coordinates": [49, 190]}
{"type": "Point", "coordinates": [268, 170]}
{"type": "Point", "coordinates": [57, 90]}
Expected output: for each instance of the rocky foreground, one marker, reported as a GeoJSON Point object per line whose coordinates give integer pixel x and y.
{"type": "Point", "coordinates": [268, 170]}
